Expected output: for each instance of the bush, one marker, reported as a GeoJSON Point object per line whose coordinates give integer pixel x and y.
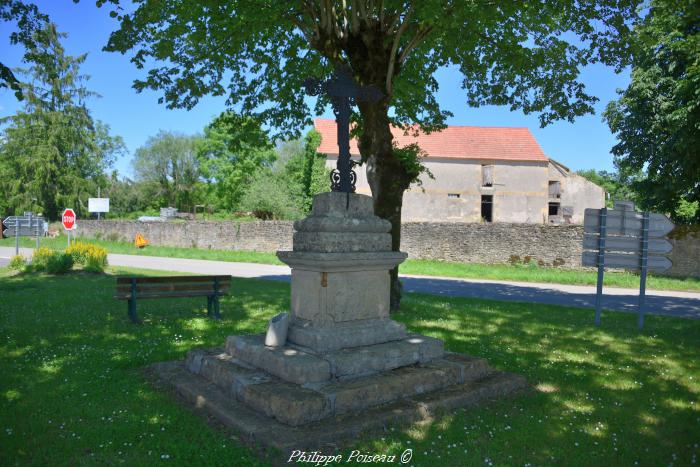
{"type": "Point", "coordinates": [91, 257]}
{"type": "Point", "coordinates": [17, 262]}
{"type": "Point", "coordinates": [59, 263]}
{"type": "Point", "coordinates": [50, 261]}
{"type": "Point", "coordinates": [41, 258]}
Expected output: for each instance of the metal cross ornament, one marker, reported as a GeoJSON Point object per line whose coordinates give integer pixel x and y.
{"type": "Point", "coordinates": [344, 93]}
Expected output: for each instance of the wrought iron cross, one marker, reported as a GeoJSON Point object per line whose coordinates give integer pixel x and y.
{"type": "Point", "coordinates": [343, 92]}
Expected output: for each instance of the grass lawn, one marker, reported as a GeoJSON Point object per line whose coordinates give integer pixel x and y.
{"type": "Point", "coordinates": [505, 272]}
{"type": "Point", "coordinates": [71, 392]}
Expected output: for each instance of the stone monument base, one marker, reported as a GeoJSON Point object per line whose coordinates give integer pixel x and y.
{"type": "Point", "coordinates": [257, 391]}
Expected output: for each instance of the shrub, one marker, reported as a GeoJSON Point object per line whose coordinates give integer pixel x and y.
{"type": "Point", "coordinates": [41, 258]}
{"type": "Point", "coordinates": [53, 262]}
{"type": "Point", "coordinates": [59, 263]}
{"type": "Point", "coordinates": [17, 262]}
{"type": "Point", "coordinates": [91, 257]}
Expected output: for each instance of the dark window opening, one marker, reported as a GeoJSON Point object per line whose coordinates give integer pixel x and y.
{"type": "Point", "coordinates": [487, 208]}
{"type": "Point", "coordinates": [453, 195]}
{"type": "Point", "coordinates": [554, 209]}
{"type": "Point", "coordinates": [487, 175]}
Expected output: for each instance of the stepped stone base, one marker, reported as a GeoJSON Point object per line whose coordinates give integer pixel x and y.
{"type": "Point", "coordinates": [301, 365]}
{"type": "Point", "coordinates": [257, 396]}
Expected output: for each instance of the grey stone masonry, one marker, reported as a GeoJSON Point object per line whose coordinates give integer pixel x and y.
{"type": "Point", "coordinates": [340, 280]}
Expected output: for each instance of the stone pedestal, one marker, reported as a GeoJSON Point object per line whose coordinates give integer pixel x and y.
{"type": "Point", "coordinates": [344, 357]}
{"type": "Point", "coordinates": [340, 275]}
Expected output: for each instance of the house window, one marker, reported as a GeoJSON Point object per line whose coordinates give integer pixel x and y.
{"type": "Point", "coordinates": [487, 175]}
{"type": "Point", "coordinates": [487, 208]}
{"type": "Point", "coordinates": [554, 189]}
{"type": "Point", "coordinates": [453, 195]}
{"type": "Point", "coordinates": [554, 209]}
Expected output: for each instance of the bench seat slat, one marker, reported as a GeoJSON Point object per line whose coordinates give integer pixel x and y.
{"type": "Point", "coordinates": [127, 296]}
{"type": "Point", "coordinates": [146, 288]}
{"type": "Point", "coordinates": [172, 279]}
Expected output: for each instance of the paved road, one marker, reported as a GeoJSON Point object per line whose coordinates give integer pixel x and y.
{"type": "Point", "coordinates": [682, 304]}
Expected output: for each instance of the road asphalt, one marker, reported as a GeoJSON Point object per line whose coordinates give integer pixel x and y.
{"type": "Point", "coordinates": [672, 303]}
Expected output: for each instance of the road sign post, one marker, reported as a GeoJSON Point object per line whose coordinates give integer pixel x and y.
{"type": "Point", "coordinates": [27, 225]}
{"type": "Point", "coordinates": [68, 221]}
{"type": "Point", "coordinates": [624, 238]}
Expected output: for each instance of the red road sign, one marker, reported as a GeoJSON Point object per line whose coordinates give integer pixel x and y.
{"type": "Point", "coordinates": [68, 219]}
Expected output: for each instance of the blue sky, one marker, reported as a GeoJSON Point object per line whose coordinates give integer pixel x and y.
{"type": "Point", "coordinates": [584, 144]}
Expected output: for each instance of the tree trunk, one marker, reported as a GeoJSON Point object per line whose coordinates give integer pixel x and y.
{"type": "Point", "coordinates": [386, 176]}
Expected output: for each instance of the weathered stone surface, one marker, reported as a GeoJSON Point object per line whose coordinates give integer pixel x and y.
{"type": "Point", "coordinates": [286, 363]}
{"type": "Point", "coordinates": [341, 242]}
{"type": "Point", "coordinates": [288, 403]}
{"type": "Point", "coordinates": [345, 335]}
{"type": "Point", "coordinates": [362, 361]}
{"type": "Point", "coordinates": [465, 367]}
{"type": "Point", "coordinates": [333, 433]}
{"type": "Point", "coordinates": [230, 375]}
{"type": "Point", "coordinates": [386, 387]}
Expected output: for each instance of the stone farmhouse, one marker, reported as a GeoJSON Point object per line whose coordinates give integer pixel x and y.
{"type": "Point", "coordinates": [483, 174]}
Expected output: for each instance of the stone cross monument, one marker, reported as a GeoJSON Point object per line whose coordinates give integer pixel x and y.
{"type": "Point", "coordinates": [346, 366]}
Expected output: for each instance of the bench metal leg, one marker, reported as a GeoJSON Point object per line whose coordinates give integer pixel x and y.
{"type": "Point", "coordinates": [209, 304]}
{"type": "Point", "coordinates": [132, 312]}
{"type": "Point", "coordinates": [217, 313]}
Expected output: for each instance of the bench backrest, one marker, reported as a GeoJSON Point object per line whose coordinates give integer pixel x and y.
{"type": "Point", "coordinates": [174, 286]}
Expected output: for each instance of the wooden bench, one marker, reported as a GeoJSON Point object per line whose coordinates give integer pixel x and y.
{"type": "Point", "coordinates": [134, 288]}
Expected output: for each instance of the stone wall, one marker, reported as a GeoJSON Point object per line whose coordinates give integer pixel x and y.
{"type": "Point", "coordinates": [473, 243]}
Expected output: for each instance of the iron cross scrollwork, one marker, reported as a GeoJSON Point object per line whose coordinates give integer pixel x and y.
{"type": "Point", "coordinates": [343, 92]}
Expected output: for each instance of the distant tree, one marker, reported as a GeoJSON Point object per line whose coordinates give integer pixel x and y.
{"type": "Point", "coordinates": [269, 197]}
{"type": "Point", "coordinates": [657, 118]}
{"type": "Point", "coordinates": [28, 20]}
{"type": "Point", "coordinates": [305, 169]}
{"type": "Point", "coordinates": [526, 55]}
{"type": "Point", "coordinates": [52, 153]}
{"type": "Point", "coordinates": [232, 151]}
{"type": "Point", "coordinates": [169, 160]}
{"type": "Point", "coordinates": [127, 196]}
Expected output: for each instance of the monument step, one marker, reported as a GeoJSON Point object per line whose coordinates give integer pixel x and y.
{"type": "Point", "coordinates": [296, 405]}
{"type": "Point", "coordinates": [331, 433]}
{"type": "Point", "coordinates": [303, 366]}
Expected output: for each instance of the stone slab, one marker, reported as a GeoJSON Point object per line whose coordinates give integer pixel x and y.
{"type": "Point", "coordinates": [341, 242]}
{"type": "Point", "coordinates": [287, 363]}
{"type": "Point", "coordinates": [290, 404]}
{"type": "Point", "coordinates": [372, 359]}
{"type": "Point", "coordinates": [331, 434]}
{"type": "Point", "coordinates": [303, 366]}
{"type": "Point", "coordinates": [344, 335]}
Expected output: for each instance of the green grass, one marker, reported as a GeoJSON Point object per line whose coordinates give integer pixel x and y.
{"type": "Point", "coordinates": [71, 391]}
{"type": "Point", "coordinates": [502, 272]}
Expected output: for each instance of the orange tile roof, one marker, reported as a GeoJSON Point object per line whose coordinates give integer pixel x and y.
{"type": "Point", "coordinates": [456, 142]}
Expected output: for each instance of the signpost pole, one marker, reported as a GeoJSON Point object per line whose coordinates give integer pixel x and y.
{"type": "Point", "coordinates": [601, 264]}
{"type": "Point", "coordinates": [644, 266]}
{"type": "Point", "coordinates": [17, 238]}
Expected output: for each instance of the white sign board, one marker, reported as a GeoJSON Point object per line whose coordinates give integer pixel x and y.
{"type": "Point", "coordinates": [98, 204]}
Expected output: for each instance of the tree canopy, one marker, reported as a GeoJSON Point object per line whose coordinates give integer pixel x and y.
{"type": "Point", "coordinates": [657, 118]}
{"type": "Point", "coordinates": [169, 161]}
{"type": "Point", "coordinates": [28, 20]}
{"type": "Point", "coordinates": [232, 150]}
{"type": "Point", "coordinates": [53, 153]}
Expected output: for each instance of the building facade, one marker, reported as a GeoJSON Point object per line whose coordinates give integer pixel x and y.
{"type": "Point", "coordinates": [483, 175]}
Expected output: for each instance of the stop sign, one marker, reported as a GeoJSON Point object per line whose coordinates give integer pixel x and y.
{"type": "Point", "coordinates": [68, 219]}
